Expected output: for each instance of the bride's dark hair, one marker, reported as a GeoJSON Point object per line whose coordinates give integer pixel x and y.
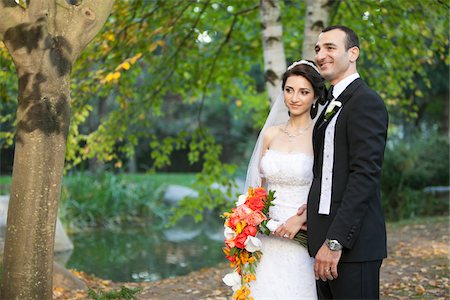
{"type": "Point", "coordinates": [316, 80]}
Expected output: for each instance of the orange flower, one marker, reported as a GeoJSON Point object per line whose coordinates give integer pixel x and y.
{"type": "Point", "coordinates": [260, 192]}
{"type": "Point", "coordinates": [242, 294]}
{"type": "Point", "coordinates": [255, 203]}
{"type": "Point", "coordinates": [249, 277]}
{"type": "Point", "coordinates": [242, 223]}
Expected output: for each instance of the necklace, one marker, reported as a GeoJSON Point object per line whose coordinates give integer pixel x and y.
{"type": "Point", "coordinates": [298, 132]}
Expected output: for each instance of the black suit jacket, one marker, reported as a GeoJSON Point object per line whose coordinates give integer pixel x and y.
{"type": "Point", "coordinates": [356, 219]}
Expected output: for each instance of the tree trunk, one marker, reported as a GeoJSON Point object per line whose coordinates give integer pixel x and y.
{"type": "Point", "coordinates": [316, 19]}
{"type": "Point", "coordinates": [44, 39]}
{"type": "Point", "coordinates": [95, 165]}
{"type": "Point", "coordinates": [272, 37]}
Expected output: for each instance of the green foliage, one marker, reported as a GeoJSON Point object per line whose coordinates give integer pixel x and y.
{"type": "Point", "coordinates": [400, 41]}
{"type": "Point", "coordinates": [410, 165]}
{"type": "Point", "coordinates": [188, 75]}
{"type": "Point", "coordinates": [108, 200]}
{"type": "Point", "coordinates": [211, 196]}
{"type": "Point", "coordinates": [123, 294]}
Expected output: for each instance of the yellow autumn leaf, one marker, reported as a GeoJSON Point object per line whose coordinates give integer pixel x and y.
{"type": "Point", "coordinates": [135, 58]}
{"type": "Point", "coordinates": [157, 31]}
{"type": "Point", "coordinates": [153, 46]}
{"type": "Point", "coordinates": [109, 77]}
{"type": "Point", "coordinates": [110, 37]}
{"type": "Point", "coordinates": [126, 65]}
{"type": "Point", "coordinates": [116, 75]}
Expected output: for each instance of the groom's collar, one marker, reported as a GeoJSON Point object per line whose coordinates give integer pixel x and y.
{"type": "Point", "coordinates": [343, 84]}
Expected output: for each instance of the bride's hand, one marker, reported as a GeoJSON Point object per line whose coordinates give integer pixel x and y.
{"type": "Point", "coordinates": [290, 228]}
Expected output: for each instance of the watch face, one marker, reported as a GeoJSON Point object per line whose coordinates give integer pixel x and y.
{"type": "Point", "coordinates": [334, 245]}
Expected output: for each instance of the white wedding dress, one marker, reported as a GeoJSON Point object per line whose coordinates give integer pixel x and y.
{"type": "Point", "coordinates": [286, 271]}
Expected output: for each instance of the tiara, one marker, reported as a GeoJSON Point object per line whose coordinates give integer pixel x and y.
{"type": "Point", "coordinates": [304, 62]}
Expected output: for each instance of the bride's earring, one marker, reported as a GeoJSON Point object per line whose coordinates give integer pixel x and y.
{"type": "Point", "coordinates": [314, 109]}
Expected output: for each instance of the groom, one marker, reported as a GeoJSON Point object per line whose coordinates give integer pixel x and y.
{"type": "Point", "coordinates": [346, 227]}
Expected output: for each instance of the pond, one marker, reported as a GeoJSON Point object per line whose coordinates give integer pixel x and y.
{"type": "Point", "coordinates": [146, 254]}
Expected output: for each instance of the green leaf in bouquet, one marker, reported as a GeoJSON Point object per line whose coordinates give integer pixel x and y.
{"type": "Point", "coordinates": [302, 238]}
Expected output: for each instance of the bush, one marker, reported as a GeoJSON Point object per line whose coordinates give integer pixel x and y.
{"type": "Point", "coordinates": [409, 166]}
{"type": "Point", "coordinates": [107, 200]}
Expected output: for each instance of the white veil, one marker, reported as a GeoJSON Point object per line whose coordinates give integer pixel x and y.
{"type": "Point", "coordinates": [278, 115]}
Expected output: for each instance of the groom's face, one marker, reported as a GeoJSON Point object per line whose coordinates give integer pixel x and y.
{"type": "Point", "coordinates": [335, 62]}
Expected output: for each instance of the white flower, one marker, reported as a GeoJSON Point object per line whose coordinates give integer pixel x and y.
{"type": "Point", "coordinates": [233, 280]}
{"type": "Point", "coordinates": [241, 200]}
{"type": "Point", "coordinates": [252, 244]}
{"type": "Point", "coordinates": [229, 233]}
{"type": "Point", "coordinates": [272, 225]}
{"type": "Point", "coordinates": [332, 105]}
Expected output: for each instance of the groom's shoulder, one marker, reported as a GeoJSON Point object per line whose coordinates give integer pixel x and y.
{"type": "Point", "coordinates": [364, 91]}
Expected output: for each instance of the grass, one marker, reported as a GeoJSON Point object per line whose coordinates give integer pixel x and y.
{"type": "Point", "coordinates": [5, 180]}
{"type": "Point", "coordinates": [157, 179]}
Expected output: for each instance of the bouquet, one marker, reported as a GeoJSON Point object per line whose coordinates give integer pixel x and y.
{"type": "Point", "coordinates": [242, 247]}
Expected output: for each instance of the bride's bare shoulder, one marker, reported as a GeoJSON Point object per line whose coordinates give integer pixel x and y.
{"type": "Point", "coordinates": [270, 132]}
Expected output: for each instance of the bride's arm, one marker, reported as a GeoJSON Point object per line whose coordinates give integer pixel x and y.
{"type": "Point", "coordinates": [292, 225]}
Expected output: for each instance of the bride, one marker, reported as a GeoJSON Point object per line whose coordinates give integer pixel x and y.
{"type": "Point", "coordinates": [282, 161]}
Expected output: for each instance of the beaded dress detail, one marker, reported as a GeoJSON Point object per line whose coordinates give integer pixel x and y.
{"type": "Point", "coordinates": [286, 271]}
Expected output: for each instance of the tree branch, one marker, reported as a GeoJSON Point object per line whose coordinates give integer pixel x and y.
{"type": "Point", "coordinates": [211, 70]}
{"type": "Point", "coordinates": [92, 14]}
{"type": "Point", "coordinates": [174, 56]}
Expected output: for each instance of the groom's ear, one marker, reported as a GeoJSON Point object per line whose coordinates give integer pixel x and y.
{"type": "Point", "coordinates": [353, 54]}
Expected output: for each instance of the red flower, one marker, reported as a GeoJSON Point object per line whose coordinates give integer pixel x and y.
{"type": "Point", "coordinates": [255, 203]}
{"type": "Point", "coordinates": [250, 230]}
{"type": "Point", "coordinates": [260, 192]}
{"type": "Point", "coordinates": [240, 240]}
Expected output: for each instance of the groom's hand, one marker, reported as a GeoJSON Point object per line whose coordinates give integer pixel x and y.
{"type": "Point", "coordinates": [301, 210]}
{"type": "Point", "coordinates": [325, 264]}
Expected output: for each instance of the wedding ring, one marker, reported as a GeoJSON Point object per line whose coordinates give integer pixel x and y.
{"type": "Point", "coordinates": [286, 236]}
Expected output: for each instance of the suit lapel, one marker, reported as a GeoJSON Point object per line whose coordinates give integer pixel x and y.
{"type": "Point", "coordinates": [343, 98]}
{"type": "Point", "coordinates": [321, 124]}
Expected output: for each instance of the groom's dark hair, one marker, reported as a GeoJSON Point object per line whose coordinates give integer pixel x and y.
{"type": "Point", "coordinates": [352, 38]}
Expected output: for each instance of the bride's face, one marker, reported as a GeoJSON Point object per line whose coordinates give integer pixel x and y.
{"type": "Point", "coordinates": [298, 95]}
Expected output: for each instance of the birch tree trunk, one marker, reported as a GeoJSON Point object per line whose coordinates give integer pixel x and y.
{"type": "Point", "coordinates": [44, 40]}
{"type": "Point", "coordinates": [272, 37]}
{"type": "Point", "coordinates": [316, 19]}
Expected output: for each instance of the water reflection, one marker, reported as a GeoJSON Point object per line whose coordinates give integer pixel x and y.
{"type": "Point", "coordinates": [148, 254]}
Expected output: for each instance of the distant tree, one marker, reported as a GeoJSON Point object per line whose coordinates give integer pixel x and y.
{"type": "Point", "coordinates": [44, 38]}
{"type": "Point", "coordinates": [274, 56]}
{"type": "Point", "coordinates": [154, 54]}
{"type": "Point", "coordinates": [316, 18]}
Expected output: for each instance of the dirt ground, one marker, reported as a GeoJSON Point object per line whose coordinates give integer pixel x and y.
{"type": "Point", "coordinates": [417, 268]}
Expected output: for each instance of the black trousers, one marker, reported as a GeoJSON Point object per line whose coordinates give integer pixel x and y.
{"type": "Point", "coordinates": [355, 281]}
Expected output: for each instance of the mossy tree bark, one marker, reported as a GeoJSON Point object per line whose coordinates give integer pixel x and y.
{"type": "Point", "coordinates": [44, 39]}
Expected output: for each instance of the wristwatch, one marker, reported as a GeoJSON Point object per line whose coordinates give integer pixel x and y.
{"type": "Point", "coordinates": [333, 245]}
